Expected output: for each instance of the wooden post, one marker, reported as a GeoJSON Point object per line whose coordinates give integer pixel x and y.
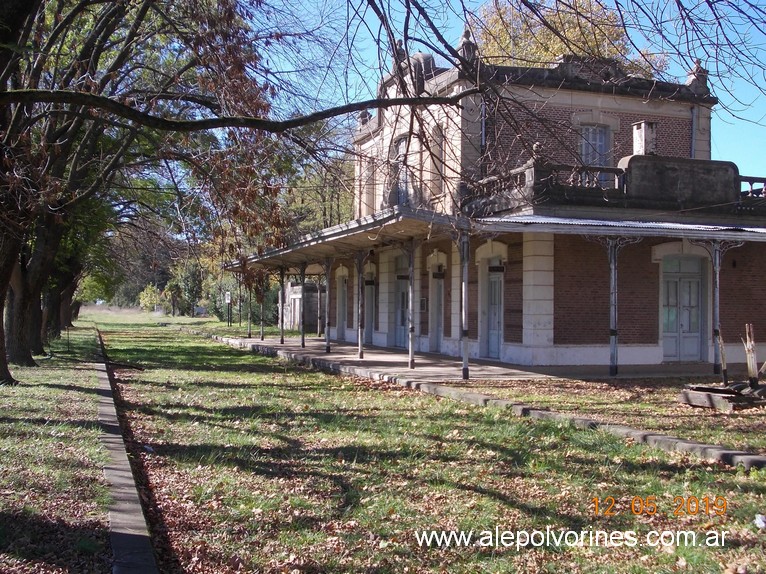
{"type": "Point", "coordinates": [752, 362]}
{"type": "Point", "coordinates": [722, 350]}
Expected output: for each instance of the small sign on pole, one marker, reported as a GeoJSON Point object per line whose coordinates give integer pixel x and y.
{"type": "Point", "coordinates": [228, 297]}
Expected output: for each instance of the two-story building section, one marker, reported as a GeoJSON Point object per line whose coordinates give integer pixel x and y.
{"type": "Point", "coordinates": [496, 228]}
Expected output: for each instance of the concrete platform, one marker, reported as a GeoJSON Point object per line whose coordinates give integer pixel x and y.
{"type": "Point", "coordinates": [433, 367]}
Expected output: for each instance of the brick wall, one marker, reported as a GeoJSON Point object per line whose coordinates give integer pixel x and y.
{"type": "Point", "coordinates": [743, 293]}
{"type": "Point", "coordinates": [513, 283]}
{"type": "Point", "coordinates": [473, 290]}
{"type": "Point", "coordinates": [581, 293]}
{"type": "Point", "coordinates": [509, 143]}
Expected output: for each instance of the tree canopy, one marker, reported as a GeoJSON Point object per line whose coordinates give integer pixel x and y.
{"type": "Point", "coordinates": [512, 34]}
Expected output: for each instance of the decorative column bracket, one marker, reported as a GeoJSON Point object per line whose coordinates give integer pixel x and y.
{"type": "Point", "coordinates": [716, 248]}
{"type": "Point", "coordinates": [613, 246]}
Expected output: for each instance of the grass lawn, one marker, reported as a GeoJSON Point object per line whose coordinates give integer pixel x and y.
{"type": "Point", "coordinates": [253, 465]}
{"type": "Point", "coordinates": [53, 497]}
{"type": "Point", "coordinates": [648, 404]}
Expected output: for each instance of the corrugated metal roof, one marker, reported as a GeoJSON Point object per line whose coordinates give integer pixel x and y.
{"type": "Point", "coordinates": [393, 226]}
{"type": "Point", "coordinates": [543, 223]}
{"type": "Point", "coordinates": [400, 224]}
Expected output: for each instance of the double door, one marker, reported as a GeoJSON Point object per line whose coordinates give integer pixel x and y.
{"type": "Point", "coordinates": [682, 311]}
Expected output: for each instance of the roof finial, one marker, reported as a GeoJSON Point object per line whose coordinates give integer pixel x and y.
{"type": "Point", "coordinates": [467, 47]}
{"type": "Point", "coordinates": [399, 53]}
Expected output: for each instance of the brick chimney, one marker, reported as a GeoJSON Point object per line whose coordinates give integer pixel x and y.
{"type": "Point", "coordinates": [645, 138]}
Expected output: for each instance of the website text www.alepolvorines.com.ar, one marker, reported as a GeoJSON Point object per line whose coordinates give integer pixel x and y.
{"type": "Point", "coordinates": [550, 537]}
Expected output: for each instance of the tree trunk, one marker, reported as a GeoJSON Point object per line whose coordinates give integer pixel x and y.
{"type": "Point", "coordinates": [25, 314]}
{"type": "Point", "coordinates": [9, 251]}
{"type": "Point", "coordinates": [59, 296]}
{"type": "Point", "coordinates": [34, 323]}
{"type": "Point", "coordinates": [16, 343]}
{"type": "Point", "coordinates": [75, 311]}
{"type": "Point", "coordinates": [65, 308]}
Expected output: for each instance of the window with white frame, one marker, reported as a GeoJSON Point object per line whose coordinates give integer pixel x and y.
{"type": "Point", "coordinates": [594, 146]}
{"type": "Point", "coordinates": [594, 151]}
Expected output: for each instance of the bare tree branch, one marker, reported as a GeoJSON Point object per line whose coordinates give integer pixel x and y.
{"type": "Point", "coordinates": [97, 102]}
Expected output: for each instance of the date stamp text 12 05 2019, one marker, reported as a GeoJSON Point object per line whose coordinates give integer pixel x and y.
{"type": "Point", "coordinates": [651, 505]}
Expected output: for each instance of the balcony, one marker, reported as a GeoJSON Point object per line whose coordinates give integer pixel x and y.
{"type": "Point", "coordinates": [673, 187]}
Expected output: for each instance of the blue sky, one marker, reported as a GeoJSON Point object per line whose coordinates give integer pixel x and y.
{"type": "Point", "coordinates": [739, 140]}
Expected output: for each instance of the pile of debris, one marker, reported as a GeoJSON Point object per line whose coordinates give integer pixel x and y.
{"type": "Point", "coordinates": [731, 396]}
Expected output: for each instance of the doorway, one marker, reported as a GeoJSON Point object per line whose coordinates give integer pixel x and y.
{"type": "Point", "coordinates": [436, 326]}
{"type": "Point", "coordinates": [682, 312]}
{"type": "Point", "coordinates": [494, 313]}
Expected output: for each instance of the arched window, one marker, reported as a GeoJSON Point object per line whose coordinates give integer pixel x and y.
{"type": "Point", "coordinates": [401, 176]}
{"type": "Point", "coordinates": [437, 162]}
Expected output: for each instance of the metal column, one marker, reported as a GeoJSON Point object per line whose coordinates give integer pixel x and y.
{"type": "Point", "coordinates": [716, 257]}
{"type": "Point", "coordinates": [716, 249]}
{"type": "Point", "coordinates": [249, 311]}
{"type": "Point", "coordinates": [263, 298]}
{"type": "Point", "coordinates": [613, 246]}
{"type": "Point", "coordinates": [464, 248]}
{"type": "Point", "coordinates": [282, 305]}
{"type": "Point", "coordinates": [411, 306]}
{"type": "Point", "coordinates": [360, 257]}
{"type": "Point", "coordinates": [327, 271]}
{"type": "Point", "coordinates": [303, 305]}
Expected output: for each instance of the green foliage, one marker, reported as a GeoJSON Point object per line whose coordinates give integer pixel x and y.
{"type": "Point", "coordinates": [150, 299]}
{"type": "Point", "coordinates": [94, 288]}
{"type": "Point", "coordinates": [184, 289]}
{"type": "Point", "coordinates": [514, 35]}
{"type": "Point", "coordinates": [323, 195]}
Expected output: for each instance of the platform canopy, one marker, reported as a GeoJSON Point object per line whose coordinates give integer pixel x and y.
{"type": "Point", "coordinates": [398, 225]}
{"type": "Point", "coordinates": [393, 226]}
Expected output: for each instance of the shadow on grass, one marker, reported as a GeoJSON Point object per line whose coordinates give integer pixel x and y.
{"type": "Point", "coordinates": [163, 354]}
{"type": "Point", "coordinates": [54, 544]}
